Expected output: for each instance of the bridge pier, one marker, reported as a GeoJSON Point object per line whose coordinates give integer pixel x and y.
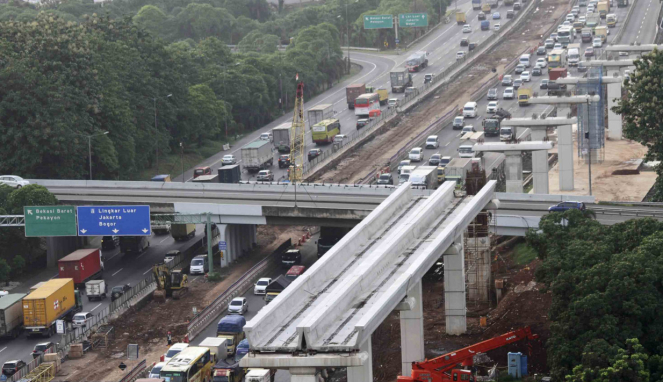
{"type": "Point", "coordinates": [514, 172]}
{"type": "Point", "coordinates": [239, 238]}
{"type": "Point", "coordinates": [364, 372]}
{"type": "Point", "coordinates": [59, 247]}
{"type": "Point", "coordinates": [455, 308]}
{"type": "Point", "coordinates": [412, 331]}
{"type": "Point", "coordinates": [303, 374]}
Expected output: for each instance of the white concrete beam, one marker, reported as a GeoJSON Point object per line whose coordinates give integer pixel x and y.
{"type": "Point", "coordinates": [610, 63]}
{"type": "Point", "coordinates": [564, 100]}
{"type": "Point", "coordinates": [506, 147]}
{"type": "Point", "coordinates": [584, 80]}
{"type": "Point", "coordinates": [412, 332]}
{"type": "Point", "coordinates": [633, 48]}
{"type": "Point", "coordinates": [550, 121]}
{"type": "Point", "coordinates": [287, 361]}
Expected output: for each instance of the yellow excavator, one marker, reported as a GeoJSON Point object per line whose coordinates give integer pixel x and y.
{"type": "Point", "coordinates": [170, 283]}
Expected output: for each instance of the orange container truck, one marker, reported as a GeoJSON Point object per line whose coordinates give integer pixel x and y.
{"type": "Point", "coordinates": [56, 299]}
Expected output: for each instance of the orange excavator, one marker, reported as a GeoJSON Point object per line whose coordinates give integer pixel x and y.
{"type": "Point", "coordinates": [446, 367]}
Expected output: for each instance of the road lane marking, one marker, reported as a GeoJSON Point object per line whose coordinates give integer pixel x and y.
{"type": "Point", "coordinates": [118, 252]}
{"type": "Point", "coordinates": [5, 348]}
{"type": "Point", "coordinates": [92, 310]}
{"type": "Point", "coordinates": [117, 272]}
{"type": "Point", "coordinates": [54, 276]}
{"type": "Point", "coordinates": [149, 270]}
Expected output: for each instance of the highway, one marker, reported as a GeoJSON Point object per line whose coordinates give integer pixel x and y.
{"type": "Point", "coordinates": [642, 25]}
{"type": "Point", "coordinates": [118, 270]}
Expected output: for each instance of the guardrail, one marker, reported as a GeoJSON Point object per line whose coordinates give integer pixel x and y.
{"type": "Point", "coordinates": [239, 287]}
{"type": "Point", "coordinates": [135, 373]}
{"type": "Point", "coordinates": [628, 212]}
{"type": "Point", "coordinates": [620, 32]}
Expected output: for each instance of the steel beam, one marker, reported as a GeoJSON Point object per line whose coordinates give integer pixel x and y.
{"type": "Point", "coordinates": [12, 221]}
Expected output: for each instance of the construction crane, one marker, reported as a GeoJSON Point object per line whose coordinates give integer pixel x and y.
{"type": "Point", "coordinates": [297, 133]}
{"type": "Point", "coordinates": [170, 283]}
{"type": "Point", "coordinates": [445, 367]}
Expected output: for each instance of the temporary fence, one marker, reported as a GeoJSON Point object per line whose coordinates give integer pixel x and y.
{"type": "Point", "coordinates": [238, 288]}
{"type": "Point", "coordinates": [33, 366]}
{"type": "Point", "coordinates": [137, 372]}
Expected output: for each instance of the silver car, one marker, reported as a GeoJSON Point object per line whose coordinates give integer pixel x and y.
{"type": "Point", "coordinates": [228, 159]}
{"type": "Point", "coordinates": [13, 181]}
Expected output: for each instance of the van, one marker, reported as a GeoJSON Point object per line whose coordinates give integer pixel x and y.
{"type": "Point", "coordinates": [470, 110]}
{"type": "Point", "coordinates": [525, 60]}
{"type": "Point", "coordinates": [199, 265]}
{"type": "Point", "coordinates": [200, 171]}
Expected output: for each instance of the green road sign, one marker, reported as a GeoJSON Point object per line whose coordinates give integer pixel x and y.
{"type": "Point", "coordinates": [413, 20]}
{"type": "Point", "coordinates": [44, 221]}
{"type": "Point", "coordinates": [378, 21]}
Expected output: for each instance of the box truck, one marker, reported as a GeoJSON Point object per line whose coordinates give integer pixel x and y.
{"type": "Point", "coordinates": [352, 92]}
{"type": "Point", "coordinates": [457, 170]}
{"type": "Point", "coordinates": [424, 176]}
{"type": "Point", "coordinates": [206, 179]}
{"type": "Point", "coordinates": [96, 289]}
{"type": "Point", "coordinates": [216, 345]}
{"type": "Point", "coordinates": [56, 299]}
{"type": "Point", "coordinates": [81, 266]}
{"type": "Point", "coordinates": [182, 231]}
{"type": "Point", "coordinates": [319, 113]}
{"type": "Point", "coordinates": [281, 134]}
{"type": "Point", "coordinates": [400, 79]}
{"type": "Point", "coordinates": [467, 142]}
{"type": "Point", "coordinates": [11, 314]}
{"type": "Point", "coordinates": [257, 156]}
{"type": "Point", "coordinates": [134, 244]}
{"type": "Point", "coordinates": [231, 328]}
{"type": "Point", "coordinates": [417, 61]}
{"type": "Point", "coordinates": [230, 174]}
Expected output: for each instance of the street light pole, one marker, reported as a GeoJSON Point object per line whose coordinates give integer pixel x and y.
{"type": "Point", "coordinates": [156, 131]}
{"type": "Point", "coordinates": [182, 160]}
{"type": "Point", "coordinates": [89, 147]}
{"type": "Point", "coordinates": [347, 34]}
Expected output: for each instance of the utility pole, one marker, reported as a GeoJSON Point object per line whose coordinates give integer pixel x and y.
{"type": "Point", "coordinates": [589, 149]}
{"type": "Point", "coordinates": [89, 147]}
{"type": "Point", "coordinates": [347, 33]}
{"type": "Point", "coordinates": [182, 160]}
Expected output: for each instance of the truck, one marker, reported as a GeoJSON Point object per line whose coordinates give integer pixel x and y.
{"type": "Point", "coordinates": [493, 3]}
{"type": "Point", "coordinates": [216, 345]}
{"type": "Point", "coordinates": [227, 371]}
{"type": "Point", "coordinates": [182, 231]}
{"type": "Point", "coordinates": [230, 174]}
{"type": "Point", "coordinates": [417, 61]}
{"type": "Point", "coordinates": [457, 169]}
{"type": "Point", "coordinates": [259, 375]}
{"type": "Point", "coordinates": [611, 20]}
{"type": "Point", "coordinates": [485, 8]}
{"type": "Point", "coordinates": [491, 125]}
{"type": "Point", "coordinates": [231, 328]}
{"type": "Point", "coordinates": [96, 290]}
{"type": "Point", "coordinates": [556, 59]}
{"type": "Point", "coordinates": [461, 19]}
{"type": "Point", "coordinates": [578, 26]}
{"type": "Point", "coordinates": [485, 25]}
{"type": "Point", "coordinates": [352, 92]}
{"type": "Point", "coordinates": [329, 236]}
{"type": "Point", "coordinates": [602, 32]}
{"type": "Point", "coordinates": [557, 73]}
{"type": "Point", "coordinates": [57, 299]}
{"type": "Point", "coordinates": [603, 8]}
{"type": "Point", "coordinates": [11, 315]}
{"type": "Point", "coordinates": [507, 133]}
{"type": "Point", "coordinates": [319, 113]}
{"type": "Point", "coordinates": [424, 176]}
{"type": "Point", "coordinates": [555, 88]}
{"type": "Point", "coordinates": [257, 156]}
{"type": "Point", "coordinates": [573, 54]}
{"type": "Point", "coordinates": [133, 244]}
{"type": "Point", "coordinates": [383, 94]}
{"type": "Point", "coordinates": [81, 265]}
{"type": "Point", "coordinates": [622, 3]}
{"type": "Point", "coordinates": [476, 4]}
{"type": "Point", "coordinates": [508, 3]}
{"type": "Point", "coordinates": [400, 79]}
{"type": "Point", "coordinates": [467, 142]}
{"type": "Point", "coordinates": [281, 134]}
{"type": "Point", "coordinates": [586, 34]}
{"type": "Point", "coordinates": [524, 94]}
{"type": "Point", "coordinates": [592, 21]}
{"type": "Point", "coordinates": [206, 179]}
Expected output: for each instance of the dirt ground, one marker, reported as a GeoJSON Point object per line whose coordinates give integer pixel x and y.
{"type": "Point", "coordinates": [619, 155]}
{"type": "Point", "coordinates": [376, 153]}
{"type": "Point", "coordinates": [522, 305]}
{"type": "Point", "coordinates": [148, 326]}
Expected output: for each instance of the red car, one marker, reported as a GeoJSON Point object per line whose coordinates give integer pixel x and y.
{"type": "Point", "coordinates": [589, 52]}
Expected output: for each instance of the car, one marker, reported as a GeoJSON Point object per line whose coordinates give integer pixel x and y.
{"type": "Point", "coordinates": [434, 159]}
{"type": "Point", "coordinates": [13, 181]}
{"type": "Point", "coordinates": [284, 161]}
{"type": "Point", "coordinates": [590, 9]}
{"type": "Point", "coordinates": [444, 161]}
{"type": "Point", "coordinates": [314, 153]}
{"type": "Point", "coordinates": [575, 11]}
{"type": "Point", "coordinates": [416, 154]}
{"type": "Point", "coordinates": [482, 16]}
{"type": "Point", "coordinates": [492, 107]}
{"type": "Point", "coordinates": [623, 53]}
{"type": "Point", "coordinates": [507, 80]}
{"type": "Point", "coordinates": [228, 159]}
{"type": "Point", "coordinates": [492, 94]}
{"type": "Point", "coordinates": [43, 348]}
{"type": "Point", "coordinates": [170, 255]}
{"type": "Point", "coordinates": [536, 71]}
{"type": "Point", "coordinates": [362, 122]}
{"type": "Point", "coordinates": [508, 93]}
{"type": "Point", "coordinates": [199, 265]}
{"type": "Point", "coordinates": [339, 138]}
{"type": "Point", "coordinates": [110, 242]}
{"type": "Point", "coordinates": [467, 28]}
{"type": "Point", "coordinates": [241, 350]}
{"type": "Point", "coordinates": [174, 350]}
{"type": "Point", "coordinates": [266, 137]}
{"type": "Point", "coordinates": [10, 368]}
{"type": "Point", "coordinates": [385, 178]}
{"type": "Point", "coordinates": [541, 62]}
{"type": "Point", "coordinates": [468, 129]}
{"type": "Point", "coordinates": [464, 41]}
{"type": "Point", "coordinates": [544, 84]}
{"type": "Point", "coordinates": [565, 206]}
{"type": "Point", "coordinates": [519, 68]}
{"type": "Point", "coordinates": [497, 27]}
{"type": "Point", "coordinates": [582, 19]}
{"type": "Point", "coordinates": [516, 6]}
{"type": "Point", "coordinates": [566, 23]}
{"type": "Point", "coordinates": [402, 163]}
{"type": "Point", "coordinates": [458, 123]}
{"type": "Point", "coordinates": [238, 305]}
{"type": "Point", "coordinates": [525, 76]}
{"type": "Point", "coordinates": [549, 43]}
{"type": "Point", "coordinates": [392, 102]}
{"type": "Point", "coordinates": [119, 290]}
{"type": "Point", "coordinates": [597, 42]}
{"type": "Point", "coordinates": [557, 46]}
{"type": "Point", "coordinates": [261, 285]}
{"type": "Point", "coordinates": [496, 16]}
{"type": "Point", "coordinates": [589, 52]}
{"type": "Point", "coordinates": [460, 55]}
{"type": "Point", "coordinates": [553, 36]}
{"type": "Point", "coordinates": [582, 67]}
{"type": "Point", "coordinates": [156, 370]}
{"type": "Point", "coordinates": [541, 50]}
{"type": "Point", "coordinates": [517, 83]}
{"type": "Point", "coordinates": [428, 78]}
{"type": "Point", "coordinates": [265, 176]}
{"type": "Point", "coordinates": [81, 319]}
{"type": "Point", "coordinates": [570, 17]}
{"type": "Point", "coordinates": [432, 142]}
{"type": "Point", "coordinates": [510, 13]}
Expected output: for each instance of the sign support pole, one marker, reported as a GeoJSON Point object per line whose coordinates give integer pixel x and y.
{"type": "Point", "coordinates": [208, 227]}
{"type": "Point", "coordinates": [396, 30]}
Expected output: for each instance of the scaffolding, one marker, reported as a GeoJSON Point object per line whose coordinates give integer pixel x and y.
{"type": "Point", "coordinates": [591, 117]}
{"type": "Point", "coordinates": [42, 373]}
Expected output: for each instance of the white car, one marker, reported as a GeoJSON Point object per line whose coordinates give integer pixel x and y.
{"type": "Point", "coordinates": [496, 27]}
{"type": "Point", "coordinates": [238, 305]}
{"type": "Point", "coordinates": [582, 19]}
{"type": "Point", "coordinates": [13, 181]}
{"type": "Point", "coordinates": [392, 102]}
{"type": "Point", "coordinates": [508, 93]}
{"type": "Point", "coordinates": [525, 76]}
{"type": "Point", "coordinates": [558, 46]}
{"type": "Point", "coordinates": [597, 42]}
{"type": "Point", "coordinates": [228, 159]}
{"type": "Point", "coordinates": [468, 129]}
{"type": "Point", "coordinates": [154, 373]}
{"type": "Point", "coordinates": [570, 17]}
{"type": "Point", "coordinates": [432, 142]}
{"type": "Point", "coordinates": [554, 36]}
{"type": "Point", "coordinates": [541, 63]}
{"type": "Point", "coordinates": [261, 285]}
{"type": "Point", "coordinates": [467, 28]}
{"type": "Point", "coordinates": [492, 107]}
{"type": "Point", "coordinates": [81, 319]}
{"type": "Point", "coordinates": [460, 55]}
{"type": "Point", "coordinates": [266, 137]}
{"type": "Point", "coordinates": [174, 350]}
{"type": "Point", "coordinates": [416, 154]}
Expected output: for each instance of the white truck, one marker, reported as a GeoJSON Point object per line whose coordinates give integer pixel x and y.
{"type": "Point", "coordinates": [216, 346]}
{"type": "Point", "coordinates": [257, 156]}
{"type": "Point", "coordinates": [11, 314]}
{"type": "Point", "coordinates": [507, 133]}
{"type": "Point", "coordinates": [457, 170]}
{"type": "Point", "coordinates": [573, 55]}
{"type": "Point", "coordinates": [424, 176]}
{"type": "Point", "coordinates": [467, 142]}
{"type": "Point", "coordinates": [96, 290]}
{"type": "Point", "coordinates": [405, 174]}
{"type": "Point", "coordinates": [281, 134]}
{"type": "Point", "coordinates": [258, 375]}
{"type": "Point", "coordinates": [318, 113]}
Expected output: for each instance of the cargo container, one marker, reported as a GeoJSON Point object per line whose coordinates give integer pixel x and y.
{"type": "Point", "coordinates": [230, 174]}
{"type": "Point", "coordinates": [231, 328]}
{"type": "Point", "coordinates": [56, 300]}
{"type": "Point", "coordinates": [133, 244]}
{"type": "Point", "coordinates": [257, 156]}
{"type": "Point", "coordinates": [352, 92]}
{"type": "Point", "coordinates": [281, 134]}
{"type": "Point", "coordinates": [424, 176]}
{"type": "Point", "coordinates": [207, 179]}
{"type": "Point", "coordinates": [557, 73]}
{"type": "Point", "coordinates": [182, 231]}
{"type": "Point", "coordinates": [96, 289]}
{"type": "Point", "coordinates": [319, 113]}
{"type": "Point", "coordinates": [400, 79]}
{"type": "Point", "coordinates": [476, 4]}
{"type": "Point", "coordinates": [81, 265]}
{"type": "Point", "coordinates": [461, 19]}
{"type": "Point", "coordinates": [11, 314]}
{"type": "Point", "coordinates": [417, 61]}
{"type": "Point", "coordinates": [216, 345]}
{"type": "Point", "coordinates": [457, 170]}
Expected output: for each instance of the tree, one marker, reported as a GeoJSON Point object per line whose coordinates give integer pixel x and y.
{"type": "Point", "coordinates": [30, 195]}
{"type": "Point", "coordinates": [629, 365]}
{"type": "Point", "coordinates": [198, 21]}
{"type": "Point", "coordinates": [151, 18]}
{"type": "Point", "coordinates": [18, 264]}
{"type": "Point", "coordinates": [5, 271]}
{"type": "Point", "coordinates": [256, 41]}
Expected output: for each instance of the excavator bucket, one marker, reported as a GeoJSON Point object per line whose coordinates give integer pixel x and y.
{"type": "Point", "coordinates": [159, 295]}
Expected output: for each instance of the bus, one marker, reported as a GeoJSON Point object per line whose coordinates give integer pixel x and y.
{"type": "Point", "coordinates": [566, 35]}
{"type": "Point", "coordinates": [365, 103]}
{"type": "Point", "coordinates": [325, 131]}
{"type": "Point", "coordinates": [193, 364]}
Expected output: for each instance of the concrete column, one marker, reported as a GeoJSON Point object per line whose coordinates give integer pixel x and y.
{"type": "Point", "coordinates": [59, 247]}
{"type": "Point", "coordinates": [454, 288]}
{"type": "Point", "coordinates": [614, 120]}
{"type": "Point", "coordinates": [302, 374]}
{"type": "Point", "coordinates": [246, 244]}
{"type": "Point", "coordinates": [540, 163]}
{"type": "Point", "coordinates": [363, 373]}
{"type": "Point", "coordinates": [565, 157]}
{"type": "Point", "coordinates": [232, 244]}
{"type": "Point", "coordinates": [514, 173]}
{"type": "Point", "coordinates": [223, 230]}
{"type": "Point", "coordinates": [237, 252]}
{"type": "Point", "coordinates": [254, 235]}
{"type": "Point", "coordinates": [412, 332]}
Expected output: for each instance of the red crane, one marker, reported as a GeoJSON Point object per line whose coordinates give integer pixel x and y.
{"type": "Point", "coordinates": [444, 367]}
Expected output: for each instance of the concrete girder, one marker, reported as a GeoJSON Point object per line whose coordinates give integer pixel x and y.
{"type": "Point", "coordinates": [583, 80]}
{"type": "Point", "coordinates": [551, 121]}
{"type": "Point", "coordinates": [506, 147]}
{"type": "Point", "coordinates": [633, 48]}
{"type": "Point", "coordinates": [320, 360]}
{"type": "Point", "coordinates": [564, 100]}
{"type": "Point", "coordinates": [610, 63]}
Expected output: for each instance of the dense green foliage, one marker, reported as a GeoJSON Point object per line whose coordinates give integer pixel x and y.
{"type": "Point", "coordinates": [607, 290]}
